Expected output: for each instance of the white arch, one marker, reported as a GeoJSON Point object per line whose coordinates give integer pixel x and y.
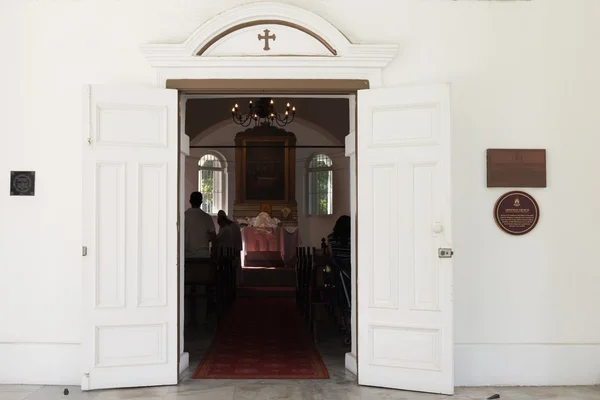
{"type": "Point", "coordinates": [351, 61]}
{"type": "Point", "coordinates": [273, 11]}
{"type": "Point", "coordinates": [204, 152]}
{"type": "Point", "coordinates": [228, 122]}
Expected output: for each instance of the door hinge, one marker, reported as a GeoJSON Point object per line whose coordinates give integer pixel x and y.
{"type": "Point", "coordinates": [177, 226]}
{"type": "Point", "coordinates": [87, 374]}
{"type": "Point", "coordinates": [90, 140]}
{"type": "Point", "coordinates": [84, 251]}
{"type": "Point", "coordinates": [445, 253]}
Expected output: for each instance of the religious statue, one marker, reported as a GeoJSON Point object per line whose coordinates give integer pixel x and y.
{"type": "Point", "coordinates": [263, 221]}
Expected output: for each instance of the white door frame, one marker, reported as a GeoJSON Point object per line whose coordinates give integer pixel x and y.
{"type": "Point", "coordinates": [350, 61]}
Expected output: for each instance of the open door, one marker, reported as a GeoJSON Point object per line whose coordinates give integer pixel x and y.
{"type": "Point", "coordinates": [405, 338]}
{"type": "Point", "coordinates": [130, 161]}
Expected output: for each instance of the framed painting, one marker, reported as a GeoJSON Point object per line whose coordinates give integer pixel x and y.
{"type": "Point", "coordinates": [265, 166]}
{"type": "Point", "coordinates": [265, 172]}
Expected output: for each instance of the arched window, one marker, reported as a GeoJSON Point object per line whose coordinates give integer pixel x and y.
{"type": "Point", "coordinates": [211, 183]}
{"type": "Point", "coordinates": [320, 185]}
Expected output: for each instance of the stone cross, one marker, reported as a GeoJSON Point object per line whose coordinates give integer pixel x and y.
{"type": "Point", "coordinates": [266, 38]}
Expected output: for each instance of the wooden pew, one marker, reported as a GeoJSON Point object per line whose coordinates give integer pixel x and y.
{"type": "Point", "coordinates": [200, 273]}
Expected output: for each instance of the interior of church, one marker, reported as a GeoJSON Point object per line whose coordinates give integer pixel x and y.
{"type": "Point", "coordinates": [276, 166]}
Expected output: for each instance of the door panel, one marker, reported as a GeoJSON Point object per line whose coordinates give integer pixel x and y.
{"type": "Point", "coordinates": [404, 289]}
{"type": "Point", "coordinates": [130, 191]}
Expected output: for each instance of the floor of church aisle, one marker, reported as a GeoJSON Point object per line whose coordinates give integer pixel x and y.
{"type": "Point", "coordinates": [268, 276]}
{"type": "Point", "coordinates": [262, 338]}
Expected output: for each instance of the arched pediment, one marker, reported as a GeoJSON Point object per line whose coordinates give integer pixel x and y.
{"type": "Point", "coordinates": [267, 38]}
{"type": "Point", "coordinates": [292, 31]}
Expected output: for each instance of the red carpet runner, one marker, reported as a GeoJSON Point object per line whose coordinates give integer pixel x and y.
{"type": "Point", "coordinates": [262, 338]}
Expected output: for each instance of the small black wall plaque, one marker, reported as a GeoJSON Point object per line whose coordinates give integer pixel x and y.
{"type": "Point", "coordinates": [22, 183]}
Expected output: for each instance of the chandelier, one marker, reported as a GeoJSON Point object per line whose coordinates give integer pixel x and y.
{"type": "Point", "coordinates": [263, 113]}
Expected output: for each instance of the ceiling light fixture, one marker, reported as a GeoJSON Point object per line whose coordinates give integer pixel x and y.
{"type": "Point", "coordinates": [263, 113]}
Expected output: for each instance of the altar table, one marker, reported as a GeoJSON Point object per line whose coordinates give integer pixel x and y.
{"type": "Point", "coordinates": [269, 247]}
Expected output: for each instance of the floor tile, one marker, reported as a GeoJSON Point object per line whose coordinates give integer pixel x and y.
{"type": "Point", "coordinates": [58, 392]}
{"type": "Point", "coordinates": [272, 391]}
{"type": "Point", "coordinates": [227, 389]}
{"type": "Point", "coordinates": [535, 392]}
{"type": "Point", "coordinates": [584, 392]}
{"type": "Point", "coordinates": [369, 393]}
{"type": "Point", "coordinates": [333, 391]}
{"type": "Point", "coordinates": [17, 392]}
{"type": "Point", "coordinates": [474, 392]}
{"type": "Point", "coordinates": [135, 393]}
{"type": "Point", "coordinates": [188, 392]}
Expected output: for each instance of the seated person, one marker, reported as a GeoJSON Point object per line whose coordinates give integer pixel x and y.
{"type": "Point", "coordinates": [225, 237]}
{"type": "Point", "coordinates": [339, 240]}
{"type": "Point", "coordinates": [199, 229]}
{"type": "Point", "coordinates": [236, 236]}
{"type": "Point", "coordinates": [339, 250]}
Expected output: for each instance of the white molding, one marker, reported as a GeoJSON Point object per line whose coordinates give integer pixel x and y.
{"type": "Point", "coordinates": [185, 144]}
{"type": "Point", "coordinates": [184, 362]}
{"type": "Point", "coordinates": [352, 61]}
{"type": "Point", "coordinates": [526, 364]}
{"type": "Point", "coordinates": [350, 144]}
{"type": "Point", "coordinates": [41, 364]}
{"type": "Point", "coordinates": [351, 363]}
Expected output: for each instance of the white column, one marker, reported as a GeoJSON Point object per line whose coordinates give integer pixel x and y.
{"type": "Point", "coordinates": [351, 360]}
{"type": "Point", "coordinates": [184, 358]}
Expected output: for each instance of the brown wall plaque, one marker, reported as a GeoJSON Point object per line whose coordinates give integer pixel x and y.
{"type": "Point", "coordinates": [516, 213]}
{"type": "Point", "coordinates": [516, 168]}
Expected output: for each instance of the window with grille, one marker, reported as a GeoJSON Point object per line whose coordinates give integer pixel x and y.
{"type": "Point", "coordinates": [210, 183]}
{"type": "Point", "coordinates": [320, 185]}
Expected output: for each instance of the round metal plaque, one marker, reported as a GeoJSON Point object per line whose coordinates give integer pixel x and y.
{"type": "Point", "coordinates": [516, 213]}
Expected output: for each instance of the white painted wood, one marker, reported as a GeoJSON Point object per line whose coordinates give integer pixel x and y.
{"type": "Point", "coordinates": [130, 188]}
{"type": "Point", "coordinates": [405, 336]}
{"type": "Point", "coordinates": [283, 41]}
{"type": "Point", "coordinates": [350, 144]}
{"type": "Point", "coordinates": [184, 149]}
{"type": "Point", "coordinates": [352, 61]}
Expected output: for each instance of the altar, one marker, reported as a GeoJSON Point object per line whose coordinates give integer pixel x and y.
{"type": "Point", "coordinates": [265, 204]}
{"type": "Point", "coordinates": [269, 247]}
{"type": "Point", "coordinates": [266, 243]}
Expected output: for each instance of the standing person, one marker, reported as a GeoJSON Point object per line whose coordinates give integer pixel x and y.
{"type": "Point", "coordinates": [199, 229]}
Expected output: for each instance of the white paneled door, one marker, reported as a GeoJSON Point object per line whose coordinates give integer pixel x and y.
{"type": "Point", "coordinates": [130, 161]}
{"type": "Point", "coordinates": [404, 286]}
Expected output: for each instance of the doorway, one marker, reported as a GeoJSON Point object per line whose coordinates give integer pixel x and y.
{"type": "Point", "coordinates": [404, 289]}
{"type": "Point", "coordinates": [403, 175]}
{"type": "Point", "coordinates": [320, 187]}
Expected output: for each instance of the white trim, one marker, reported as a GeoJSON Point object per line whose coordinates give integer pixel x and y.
{"type": "Point", "coordinates": [224, 169]}
{"type": "Point", "coordinates": [41, 363]}
{"type": "Point", "coordinates": [351, 363]}
{"type": "Point", "coordinates": [314, 170]}
{"type": "Point", "coordinates": [185, 144]}
{"type": "Point", "coordinates": [350, 144]}
{"type": "Point", "coordinates": [267, 94]}
{"type": "Point", "coordinates": [353, 61]}
{"type": "Point", "coordinates": [526, 364]}
{"type": "Point", "coordinates": [184, 362]}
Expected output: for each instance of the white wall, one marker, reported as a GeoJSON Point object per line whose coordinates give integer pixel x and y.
{"type": "Point", "coordinates": [524, 74]}
{"type": "Point", "coordinates": [311, 228]}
